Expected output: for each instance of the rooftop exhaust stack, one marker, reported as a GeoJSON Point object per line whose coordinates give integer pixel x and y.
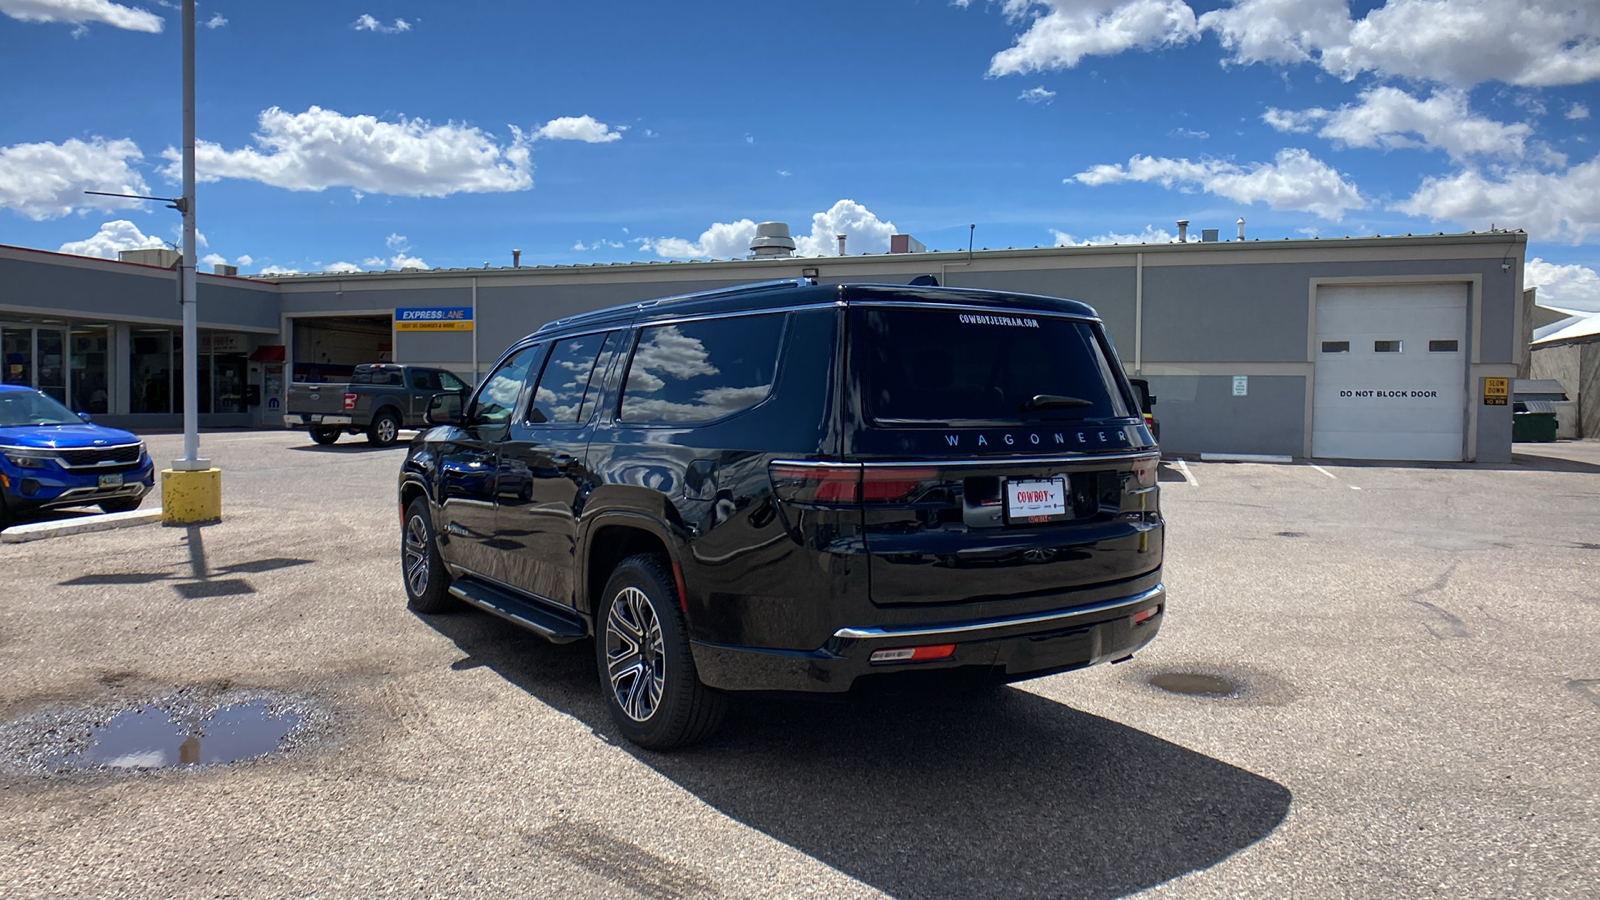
{"type": "Point", "coordinates": [1241, 228]}
{"type": "Point", "coordinates": [772, 241]}
{"type": "Point", "coordinates": [1183, 231]}
{"type": "Point", "coordinates": [516, 259]}
{"type": "Point", "coordinates": [841, 238]}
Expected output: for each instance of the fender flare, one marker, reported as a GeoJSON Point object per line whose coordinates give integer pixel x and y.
{"type": "Point", "coordinates": [630, 518]}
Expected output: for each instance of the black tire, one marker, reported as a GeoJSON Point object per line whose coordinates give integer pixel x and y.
{"type": "Point", "coordinates": [323, 434]}
{"type": "Point", "coordinates": [121, 504]}
{"type": "Point", "coordinates": [646, 670]}
{"type": "Point", "coordinates": [421, 569]}
{"type": "Point", "coordinates": [385, 429]}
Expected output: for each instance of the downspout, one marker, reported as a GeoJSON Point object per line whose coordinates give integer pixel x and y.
{"type": "Point", "coordinates": [475, 330]}
{"type": "Point", "coordinates": [1138, 314]}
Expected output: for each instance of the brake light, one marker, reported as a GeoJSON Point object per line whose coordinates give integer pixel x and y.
{"type": "Point", "coordinates": [1145, 470]}
{"type": "Point", "coordinates": [349, 401]}
{"type": "Point", "coordinates": [828, 483]}
{"type": "Point", "coordinates": [892, 485]}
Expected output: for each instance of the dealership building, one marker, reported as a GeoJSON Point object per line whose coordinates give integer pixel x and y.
{"type": "Point", "coordinates": [1348, 348]}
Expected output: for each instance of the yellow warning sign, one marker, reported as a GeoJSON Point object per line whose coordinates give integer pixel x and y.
{"type": "Point", "coordinates": [1496, 391]}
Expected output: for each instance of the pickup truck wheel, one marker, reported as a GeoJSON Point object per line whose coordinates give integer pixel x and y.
{"type": "Point", "coordinates": [427, 582]}
{"type": "Point", "coordinates": [385, 429]}
{"type": "Point", "coordinates": [322, 434]}
{"type": "Point", "coordinates": [646, 670]}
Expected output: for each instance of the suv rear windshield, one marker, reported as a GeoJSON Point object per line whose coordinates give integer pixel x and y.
{"type": "Point", "coordinates": [936, 366]}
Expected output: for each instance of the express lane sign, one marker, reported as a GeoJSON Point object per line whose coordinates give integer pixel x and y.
{"type": "Point", "coordinates": [433, 318]}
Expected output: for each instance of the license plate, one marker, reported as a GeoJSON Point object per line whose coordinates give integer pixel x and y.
{"type": "Point", "coordinates": [1041, 500]}
{"type": "Point", "coordinates": [109, 481]}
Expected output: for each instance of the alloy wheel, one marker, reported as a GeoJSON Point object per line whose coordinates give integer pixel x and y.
{"type": "Point", "coordinates": [635, 657]}
{"type": "Point", "coordinates": [416, 555]}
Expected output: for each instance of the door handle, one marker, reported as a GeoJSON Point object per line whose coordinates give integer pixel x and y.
{"type": "Point", "coordinates": [562, 460]}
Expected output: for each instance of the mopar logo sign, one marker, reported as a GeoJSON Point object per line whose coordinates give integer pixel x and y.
{"type": "Point", "coordinates": [433, 318]}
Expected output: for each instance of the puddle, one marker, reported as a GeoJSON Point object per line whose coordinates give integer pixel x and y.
{"type": "Point", "coordinates": [188, 728]}
{"type": "Point", "coordinates": [150, 738]}
{"type": "Point", "coordinates": [1194, 684]}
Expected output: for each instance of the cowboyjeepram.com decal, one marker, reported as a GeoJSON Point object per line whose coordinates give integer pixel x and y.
{"type": "Point", "coordinates": [1013, 321]}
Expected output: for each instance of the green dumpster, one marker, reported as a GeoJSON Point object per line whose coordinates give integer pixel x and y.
{"type": "Point", "coordinates": [1533, 426]}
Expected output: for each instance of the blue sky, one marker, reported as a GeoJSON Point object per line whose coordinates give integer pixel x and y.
{"type": "Point", "coordinates": [376, 135]}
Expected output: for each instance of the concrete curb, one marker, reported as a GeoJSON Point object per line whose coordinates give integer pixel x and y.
{"type": "Point", "coordinates": [1245, 457]}
{"type": "Point", "coordinates": [38, 531]}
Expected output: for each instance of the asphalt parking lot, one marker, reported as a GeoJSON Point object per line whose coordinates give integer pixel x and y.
{"type": "Point", "coordinates": [1418, 715]}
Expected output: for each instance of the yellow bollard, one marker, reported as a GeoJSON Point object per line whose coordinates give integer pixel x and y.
{"type": "Point", "coordinates": [191, 498]}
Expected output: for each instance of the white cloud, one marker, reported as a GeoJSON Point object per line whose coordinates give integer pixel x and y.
{"type": "Point", "coordinates": [731, 240]}
{"type": "Point", "coordinates": [280, 270]}
{"type": "Point", "coordinates": [1461, 42]}
{"type": "Point", "coordinates": [1569, 287]}
{"type": "Point", "coordinates": [1390, 118]}
{"type": "Point", "coordinates": [366, 22]}
{"type": "Point", "coordinates": [214, 259]}
{"type": "Point", "coordinates": [111, 238]}
{"type": "Point", "coordinates": [866, 233]}
{"type": "Point", "coordinates": [1150, 235]}
{"type": "Point", "coordinates": [1549, 206]}
{"type": "Point", "coordinates": [601, 244]}
{"type": "Point", "coordinates": [216, 21]}
{"type": "Point", "coordinates": [1293, 180]}
{"type": "Point", "coordinates": [723, 240]}
{"type": "Point", "coordinates": [244, 259]}
{"type": "Point", "coordinates": [1192, 133]}
{"type": "Point", "coordinates": [343, 268]}
{"type": "Point", "coordinates": [47, 181]}
{"type": "Point", "coordinates": [578, 128]}
{"type": "Point", "coordinates": [1062, 32]}
{"type": "Point", "coordinates": [784, 173]}
{"type": "Point", "coordinates": [1577, 111]}
{"type": "Point", "coordinates": [83, 11]}
{"type": "Point", "coordinates": [396, 242]}
{"type": "Point", "coordinates": [1037, 95]}
{"type": "Point", "coordinates": [319, 149]}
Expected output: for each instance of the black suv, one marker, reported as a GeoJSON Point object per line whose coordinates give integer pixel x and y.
{"type": "Point", "coordinates": [787, 486]}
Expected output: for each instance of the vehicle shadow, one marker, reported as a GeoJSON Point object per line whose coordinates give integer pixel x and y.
{"type": "Point", "coordinates": [1008, 794]}
{"type": "Point", "coordinates": [355, 445]}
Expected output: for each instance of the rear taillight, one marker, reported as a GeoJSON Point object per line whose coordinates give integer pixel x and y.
{"type": "Point", "coordinates": [349, 401]}
{"type": "Point", "coordinates": [1145, 471]}
{"type": "Point", "coordinates": [837, 483]}
{"type": "Point", "coordinates": [821, 483]}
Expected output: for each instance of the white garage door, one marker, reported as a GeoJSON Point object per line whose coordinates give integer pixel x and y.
{"type": "Point", "coordinates": [1391, 366]}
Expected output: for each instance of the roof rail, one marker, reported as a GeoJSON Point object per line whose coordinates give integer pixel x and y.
{"type": "Point", "coordinates": [698, 295]}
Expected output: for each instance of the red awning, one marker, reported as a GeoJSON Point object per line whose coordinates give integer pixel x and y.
{"type": "Point", "coordinates": [268, 353]}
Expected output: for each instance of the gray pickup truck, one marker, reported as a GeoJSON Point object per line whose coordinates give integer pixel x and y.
{"type": "Point", "coordinates": [380, 399]}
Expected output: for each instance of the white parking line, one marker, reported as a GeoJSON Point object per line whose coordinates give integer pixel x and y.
{"type": "Point", "coordinates": [1331, 475]}
{"type": "Point", "coordinates": [1187, 475]}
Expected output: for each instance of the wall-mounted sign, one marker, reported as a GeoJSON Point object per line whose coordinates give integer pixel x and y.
{"type": "Point", "coordinates": [1241, 385]}
{"type": "Point", "coordinates": [222, 342]}
{"type": "Point", "coordinates": [433, 318]}
{"type": "Point", "coordinates": [1496, 391]}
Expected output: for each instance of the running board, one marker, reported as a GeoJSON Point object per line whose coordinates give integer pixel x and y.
{"type": "Point", "coordinates": [552, 625]}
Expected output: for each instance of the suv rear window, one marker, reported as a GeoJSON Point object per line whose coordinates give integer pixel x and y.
{"type": "Point", "coordinates": [936, 366]}
{"type": "Point", "coordinates": [700, 371]}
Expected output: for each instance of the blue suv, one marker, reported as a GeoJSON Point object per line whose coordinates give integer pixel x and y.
{"type": "Point", "coordinates": [50, 456]}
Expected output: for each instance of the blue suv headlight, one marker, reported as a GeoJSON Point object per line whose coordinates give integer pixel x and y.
{"type": "Point", "coordinates": [27, 457]}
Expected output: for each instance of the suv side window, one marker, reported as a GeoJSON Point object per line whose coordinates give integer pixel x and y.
{"type": "Point", "coordinates": [559, 397]}
{"type": "Point", "coordinates": [491, 408]}
{"type": "Point", "coordinates": [425, 381]}
{"type": "Point", "coordinates": [449, 382]}
{"type": "Point", "coordinates": [699, 371]}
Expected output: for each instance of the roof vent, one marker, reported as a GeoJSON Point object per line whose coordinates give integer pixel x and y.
{"type": "Point", "coordinates": [1183, 231]}
{"type": "Point", "coordinates": [772, 241]}
{"type": "Point", "coordinates": [905, 243]}
{"type": "Point", "coordinates": [1208, 235]}
{"type": "Point", "coordinates": [220, 269]}
{"type": "Point", "coordinates": [160, 257]}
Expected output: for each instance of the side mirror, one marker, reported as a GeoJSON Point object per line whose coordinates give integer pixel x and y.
{"type": "Point", "coordinates": [84, 416]}
{"type": "Point", "coordinates": [444, 409]}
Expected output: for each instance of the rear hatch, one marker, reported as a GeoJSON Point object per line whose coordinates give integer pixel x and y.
{"type": "Point", "coordinates": [1001, 456]}
{"type": "Point", "coordinates": [327, 399]}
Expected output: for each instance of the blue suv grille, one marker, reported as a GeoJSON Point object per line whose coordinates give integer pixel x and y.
{"type": "Point", "coordinates": [99, 456]}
